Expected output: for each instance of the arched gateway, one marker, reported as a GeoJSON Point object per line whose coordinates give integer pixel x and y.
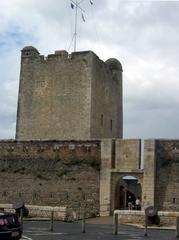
{"type": "Point", "coordinates": [126, 188]}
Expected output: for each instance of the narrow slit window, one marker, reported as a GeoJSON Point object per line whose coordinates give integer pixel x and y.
{"type": "Point", "coordinates": [102, 120]}
{"type": "Point", "coordinates": [111, 123]}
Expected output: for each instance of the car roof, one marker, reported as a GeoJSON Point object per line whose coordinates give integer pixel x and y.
{"type": "Point", "coordinates": [5, 213]}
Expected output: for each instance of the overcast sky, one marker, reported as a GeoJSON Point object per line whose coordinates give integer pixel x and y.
{"type": "Point", "coordinates": [142, 35]}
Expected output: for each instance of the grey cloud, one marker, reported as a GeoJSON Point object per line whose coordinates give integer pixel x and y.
{"type": "Point", "coordinates": [151, 123]}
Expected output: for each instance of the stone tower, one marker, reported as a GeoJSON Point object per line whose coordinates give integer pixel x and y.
{"type": "Point", "coordinates": [69, 96]}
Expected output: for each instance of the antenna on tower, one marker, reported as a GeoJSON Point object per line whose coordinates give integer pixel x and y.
{"type": "Point", "coordinates": [75, 4]}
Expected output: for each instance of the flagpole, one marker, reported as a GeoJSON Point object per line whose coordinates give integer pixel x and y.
{"type": "Point", "coordinates": [76, 19]}
{"type": "Point", "coordinates": [76, 4]}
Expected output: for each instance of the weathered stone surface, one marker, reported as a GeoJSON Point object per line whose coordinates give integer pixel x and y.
{"type": "Point", "coordinates": [63, 96]}
{"type": "Point", "coordinates": [128, 154]}
{"type": "Point", "coordinates": [134, 217]}
{"type": "Point", "coordinates": [63, 173]}
{"type": "Point", "coordinates": [148, 193]}
{"type": "Point", "coordinates": [167, 174]}
{"type": "Point", "coordinates": [41, 174]}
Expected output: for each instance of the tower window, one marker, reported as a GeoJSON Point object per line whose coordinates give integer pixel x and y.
{"type": "Point", "coordinates": [111, 125]}
{"type": "Point", "coordinates": [102, 120]}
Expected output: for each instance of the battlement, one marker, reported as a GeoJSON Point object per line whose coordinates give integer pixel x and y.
{"type": "Point", "coordinates": [31, 51]}
{"type": "Point", "coordinates": [32, 54]}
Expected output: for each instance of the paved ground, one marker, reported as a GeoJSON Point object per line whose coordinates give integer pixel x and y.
{"type": "Point", "coordinates": [95, 229]}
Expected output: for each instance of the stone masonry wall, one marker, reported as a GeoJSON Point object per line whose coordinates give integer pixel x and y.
{"type": "Point", "coordinates": [54, 97]}
{"type": "Point", "coordinates": [127, 216]}
{"type": "Point", "coordinates": [55, 173]}
{"type": "Point", "coordinates": [115, 166]}
{"type": "Point", "coordinates": [105, 178]}
{"type": "Point", "coordinates": [149, 177]}
{"type": "Point", "coordinates": [167, 174]}
{"type": "Point", "coordinates": [128, 154]}
{"type": "Point", "coordinates": [66, 96]}
{"type": "Point", "coordinates": [106, 100]}
{"type": "Point", "coordinates": [68, 173]}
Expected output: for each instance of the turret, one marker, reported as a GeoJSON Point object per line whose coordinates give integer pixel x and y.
{"type": "Point", "coordinates": [114, 65]}
{"type": "Point", "coordinates": [29, 51]}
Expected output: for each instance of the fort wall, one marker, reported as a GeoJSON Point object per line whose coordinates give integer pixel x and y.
{"type": "Point", "coordinates": [156, 184]}
{"type": "Point", "coordinates": [149, 181]}
{"type": "Point", "coordinates": [67, 173]}
{"type": "Point", "coordinates": [55, 173]}
{"type": "Point", "coordinates": [128, 154]}
{"type": "Point", "coordinates": [167, 174]}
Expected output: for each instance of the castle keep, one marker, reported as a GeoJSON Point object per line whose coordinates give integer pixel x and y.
{"type": "Point", "coordinates": [64, 96]}
{"type": "Point", "coordinates": [69, 142]}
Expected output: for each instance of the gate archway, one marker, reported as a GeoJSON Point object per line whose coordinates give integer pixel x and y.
{"type": "Point", "coordinates": [126, 189]}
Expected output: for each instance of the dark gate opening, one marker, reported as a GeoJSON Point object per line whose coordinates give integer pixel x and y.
{"type": "Point", "coordinates": [127, 191]}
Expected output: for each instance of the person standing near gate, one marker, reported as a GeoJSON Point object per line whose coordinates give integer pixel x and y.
{"type": "Point", "coordinates": [129, 202]}
{"type": "Point", "coordinates": [137, 204]}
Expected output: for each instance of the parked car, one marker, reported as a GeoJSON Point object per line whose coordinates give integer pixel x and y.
{"type": "Point", "coordinates": [10, 227]}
